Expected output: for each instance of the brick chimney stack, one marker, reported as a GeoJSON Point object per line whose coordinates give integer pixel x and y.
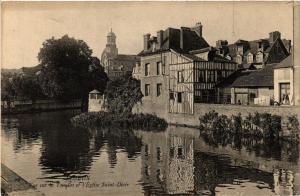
{"type": "Point", "coordinates": [273, 36]}
{"type": "Point", "coordinates": [198, 29]}
{"type": "Point", "coordinates": [160, 35]}
{"type": "Point", "coordinates": [146, 41]}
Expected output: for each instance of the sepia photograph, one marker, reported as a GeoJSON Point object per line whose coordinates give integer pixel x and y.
{"type": "Point", "coordinates": [153, 98]}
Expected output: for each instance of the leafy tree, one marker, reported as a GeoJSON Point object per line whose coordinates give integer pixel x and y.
{"type": "Point", "coordinates": [122, 94]}
{"type": "Point", "coordinates": [68, 69]}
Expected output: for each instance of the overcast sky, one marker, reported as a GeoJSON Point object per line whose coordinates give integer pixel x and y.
{"type": "Point", "coordinates": [25, 25]}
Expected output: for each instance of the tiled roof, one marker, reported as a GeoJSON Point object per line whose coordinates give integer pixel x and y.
{"type": "Point", "coordinates": [287, 62]}
{"type": "Point", "coordinates": [256, 78]}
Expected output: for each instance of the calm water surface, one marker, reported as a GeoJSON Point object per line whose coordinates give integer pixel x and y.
{"type": "Point", "coordinates": [59, 159]}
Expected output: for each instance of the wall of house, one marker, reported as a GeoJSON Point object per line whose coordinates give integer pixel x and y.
{"type": "Point", "coordinates": [283, 75]}
{"type": "Point", "coordinates": [159, 103]}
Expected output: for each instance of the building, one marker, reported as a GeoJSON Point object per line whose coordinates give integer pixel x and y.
{"type": "Point", "coordinates": [248, 87]}
{"type": "Point", "coordinates": [256, 53]}
{"type": "Point", "coordinates": [178, 69]}
{"type": "Point", "coordinates": [96, 101]}
{"type": "Point", "coordinates": [284, 82]}
{"type": "Point", "coordinates": [117, 65]}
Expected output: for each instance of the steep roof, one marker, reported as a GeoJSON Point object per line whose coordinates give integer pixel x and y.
{"type": "Point", "coordinates": [287, 62]}
{"type": "Point", "coordinates": [256, 78]}
{"type": "Point", "coordinates": [183, 40]}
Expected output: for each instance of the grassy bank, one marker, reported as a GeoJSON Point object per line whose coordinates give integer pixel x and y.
{"type": "Point", "coordinates": [108, 119]}
{"type": "Point", "coordinates": [258, 125]}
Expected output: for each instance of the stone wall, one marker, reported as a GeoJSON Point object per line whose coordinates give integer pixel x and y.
{"type": "Point", "coordinates": [201, 109]}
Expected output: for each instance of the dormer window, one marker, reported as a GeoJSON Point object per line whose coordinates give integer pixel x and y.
{"type": "Point", "coordinates": [259, 57]}
{"type": "Point", "coordinates": [240, 49]}
{"type": "Point", "coordinates": [250, 58]}
{"type": "Point", "coordinates": [153, 46]}
{"type": "Point", "coordinates": [239, 59]}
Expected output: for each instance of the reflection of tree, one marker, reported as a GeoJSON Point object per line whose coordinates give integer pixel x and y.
{"type": "Point", "coordinates": [278, 149]}
{"type": "Point", "coordinates": [212, 171]}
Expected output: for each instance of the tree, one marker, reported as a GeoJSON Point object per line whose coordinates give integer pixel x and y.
{"type": "Point", "coordinates": [122, 94]}
{"type": "Point", "coordinates": [68, 69]}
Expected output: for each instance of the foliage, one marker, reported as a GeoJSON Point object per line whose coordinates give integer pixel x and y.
{"type": "Point", "coordinates": [68, 69]}
{"type": "Point", "coordinates": [107, 119]}
{"type": "Point", "coordinates": [293, 126]}
{"type": "Point", "coordinates": [259, 125]}
{"type": "Point", "coordinates": [23, 87]}
{"type": "Point", "coordinates": [122, 94]}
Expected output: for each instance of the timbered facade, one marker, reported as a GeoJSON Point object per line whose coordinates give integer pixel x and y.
{"type": "Point", "coordinates": [193, 80]}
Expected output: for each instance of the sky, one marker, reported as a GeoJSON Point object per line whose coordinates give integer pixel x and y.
{"type": "Point", "coordinates": [26, 25]}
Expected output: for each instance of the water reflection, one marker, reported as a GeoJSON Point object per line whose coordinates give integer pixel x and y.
{"type": "Point", "coordinates": [178, 161]}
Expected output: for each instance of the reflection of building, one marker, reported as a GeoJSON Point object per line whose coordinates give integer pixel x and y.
{"type": "Point", "coordinates": [115, 64]}
{"type": "Point", "coordinates": [178, 161]}
{"type": "Point", "coordinates": [167, 163]}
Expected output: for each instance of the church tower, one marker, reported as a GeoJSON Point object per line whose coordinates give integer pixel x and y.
{"type": "Point", "coordinates": [110, 51]}
{"type": "Point", "coordinates": [111, 46]}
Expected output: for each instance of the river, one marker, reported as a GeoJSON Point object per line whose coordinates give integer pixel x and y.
{"type": "Point", "coordinates": [59, 159]}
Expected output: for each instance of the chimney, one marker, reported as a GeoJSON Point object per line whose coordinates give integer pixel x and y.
{"type": "Point", "coordinates": [198, 29]}
{"type": "Point", "coordinates": [160, 35]}
{"type": "Point", "coordinates": [273, 36]}
{"type": "Point", "coordinates": [146, 41]}
{"type": "Point", "coordinates": [221, 43]}
{"type": "Point", "coordinates": [183, 42]}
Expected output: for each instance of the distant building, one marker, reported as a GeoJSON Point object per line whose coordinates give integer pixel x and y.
{"type": "Point", "coordinates": [179, 68]}
{"type": "Point", "coordinates": [256, 53]}
{"type": "Point", "coordinates": [96, 101]}
{"type": "Point", "coordinates": [117, 65]}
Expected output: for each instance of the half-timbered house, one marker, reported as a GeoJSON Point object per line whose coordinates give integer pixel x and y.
{"type": "Point", "coordinates": [178, 69]}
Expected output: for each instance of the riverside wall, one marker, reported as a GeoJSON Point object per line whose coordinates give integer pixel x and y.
{"type": "Point", "coordinates": [226, 109]}
{"type": "Point", "coordinates": [25, 106]}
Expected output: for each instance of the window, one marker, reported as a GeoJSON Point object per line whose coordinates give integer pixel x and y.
{"type": "Point", "coordinates": [259, 57]}
{"type": "Point", "coordinates": [180, 152]}
{"type": "Point", "coordinates": [158, 89]}
{"type": "Point", "coordinates": [239, 59]}
{"type": "Point", "coordinates": [93, 96]}
{"type": "Point", "coordinates": [146, 150]}
{"type": "Point", "coordinates": [285, 93]}
{"type": "Point", "coordinates": [211, 76]}
{"type": "Point", "coordinates": [202, 77]}
{"type": "Point", "coordinates": [219, 75]}
{"type": "Point", "coordinates": [180, 76]}
{"type": "Point", "coordinates": [250, 58]}
{"type": "Point", "coordinates": [240, 49]}
{"type": "Point", "coordinates": [172, 97]}
{"type": "Point", "coordinates": [158, 153]}
{"type": "Point", "coordinates": [147, 89]}
{"type": "Point", "coordinates": [147, 66]}
{"type": "Point", "coordinates": [172, 152]}
{"type": "Point", "coordinates": [163, 69]}
{"type": "Point", "coordinates": [179, 97]}
{"type": "Point", "coordinates": [158, 68]}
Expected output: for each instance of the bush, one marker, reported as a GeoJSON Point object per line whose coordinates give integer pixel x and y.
{"type": "Point", "coordinates": [107, 119]}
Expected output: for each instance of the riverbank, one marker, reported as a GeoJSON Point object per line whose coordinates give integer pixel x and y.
{"type": "Point", "coordinates": [12, 184]}
{"type": "Point", "coordinates": [108, 119]}
{"type": "Point", "coordinates": [27, 106]}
